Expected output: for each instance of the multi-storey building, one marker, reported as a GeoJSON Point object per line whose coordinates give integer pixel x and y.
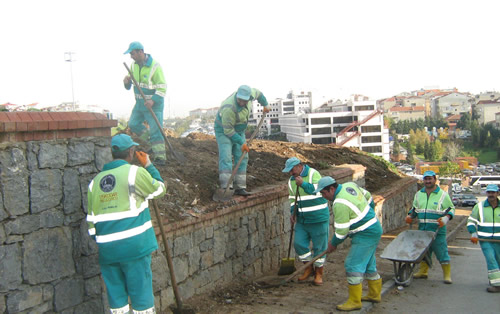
{"type": "Point", "coordinates": [451, 104]}
{"type": "Point", "coordinates": [354, 124]}
{"type": "Point", "coordinates": [487, 109]}
{"type": "Point", "coordinates": [201, 112]}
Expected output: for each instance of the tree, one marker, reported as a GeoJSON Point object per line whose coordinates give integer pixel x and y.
{"type": "Point", "coordinates": [432, 152]}
{"type": "Point", "coordinates": [395, 147]}
{"type": "Point", "coordinates": [439, 150]}
{"type": "Point", "coordinates": [464, 122]}
{"type": "Point", "coordinates": [452, 151]}
{"type": "Point", "coordinates": [449, 168]}
{"type": "Point", "coordinates": [419, 149]}
{"type": "Point", "coordinates": [427, 150]}
{"type": "Point", "coordinates": [413, 137]}
{"type": "Point", "coordinates": [409, 157]}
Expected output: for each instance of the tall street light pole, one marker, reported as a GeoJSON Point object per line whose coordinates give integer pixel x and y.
{"type": "Point", "coordinates": [68, 57]}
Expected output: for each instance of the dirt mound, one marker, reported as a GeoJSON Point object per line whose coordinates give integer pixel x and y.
{"type": "Point", "coordinates": [192, 183]}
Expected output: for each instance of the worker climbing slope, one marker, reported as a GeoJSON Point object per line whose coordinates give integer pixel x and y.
{"type": "Point", "coordinates": [149, 74]}
{"type": "Point", "coordinates": [231, 123]}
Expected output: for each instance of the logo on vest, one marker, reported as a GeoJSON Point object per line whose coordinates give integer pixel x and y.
{"type": "Point", "coordinates": [351, 191]}
{"type": "Point", "coordinates": [107, 183]}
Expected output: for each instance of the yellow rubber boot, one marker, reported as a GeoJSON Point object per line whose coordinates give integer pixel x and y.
{"type": "Point", "coordinates": [307, 273]}
{"type": "Point", "coordinates": [374, 291]}
{"type": "Point", "coordinates": [354, 300]}
{"type": "Point", "coordinates": [422, 272]}
{"type": "Point", "coordinates": [446, 273]}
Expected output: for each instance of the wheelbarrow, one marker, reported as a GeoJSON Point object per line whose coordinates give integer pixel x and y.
{"type": "Point", "coordinates": [407, 250]}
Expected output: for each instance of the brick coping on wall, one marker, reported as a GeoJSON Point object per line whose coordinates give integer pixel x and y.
{"type": "Point", "coordinates": [23, 126]}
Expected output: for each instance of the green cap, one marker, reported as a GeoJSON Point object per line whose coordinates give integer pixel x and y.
{"type": "Point", "coordinates": [122, 142]}
{"type": "Point", "coordinates": [429, 173]}
{"type": "Point", "coordinates": [323, 183]}
{"type": "Point", "coordinates": [244, 92]}
{"type": "Point", "coordinates": [290, 163]}
{"type": "Point", "coordinates": [134, 46]}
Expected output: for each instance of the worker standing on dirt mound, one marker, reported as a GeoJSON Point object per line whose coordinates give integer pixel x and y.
{"type": "Point", "coordinates": [353, 209]}
{"type": "Point", "coordinates": [483, 225]}
{"type": "Point", "coordinates": [119, 221]}
{"type": "Point", "coordinates": [149, 75]}
{"type": "Point", "coordinates": [230, 125]}
{"type": "Point", "coordinates": [313, 217]}
{"type": "Point", "coordinates": [429, 205]}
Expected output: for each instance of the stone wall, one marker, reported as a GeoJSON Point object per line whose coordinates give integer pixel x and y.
{"type": "Point", "coordinates": [48, 263]}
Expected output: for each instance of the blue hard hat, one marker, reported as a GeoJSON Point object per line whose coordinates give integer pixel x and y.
{"type": "Point", "coordinates": [122, 142]}
{"type": "Point", "coordinates": [134, 46]}
{"type": "Point", "coordinates": [429, 173]}
{"type": "Point", "coordinates": [244, 92]}
{"type": "Point", "coordinates": [324, 182]}
{"type": "Point", "coordinates": [492, 188]}
{"type": "Point", "coordinates": [290, 163]}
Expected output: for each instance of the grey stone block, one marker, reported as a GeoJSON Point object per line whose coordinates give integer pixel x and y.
{"type": "Point", "coordinates": [206, 260]}
{"type": "Point", "coordinates": [230, 249]}
{"type": "Point", "coordinates": [93, 286]}
{"type": "Point", "coordinates": [215, 272]}
{"type": "Point", "coordinates": [198, 236]}
{"type": "Point", "coordinates": [10, 267]}
{"type": "Point", "coordinates": [45, 190]}
{"type": "Point", "coordinates": [52, 155]}
{"type": "Point", "coordinates": [209, 232]}
{"type": "Point", "coordinates": [102, 156]}
{"type": "Point", "coordinates": [32, 149]}
{"type": "Point", "coordinates": [252, 225]}
{"type": "Point", "coordinates": [28, 297]}
{"type": "Point", "coordinates": [219, 246]}
{"type": "Point", "coordinates": [3, 213]}
{"type": "Point", "coordinates": [241, 240]}
{"type": "Point", "coordinates": [206, 245]}
{"type": "Point", "coordinates": [3, 236]}
{"type": "Point", "coordinates": [202, 279]}
{"type": "Point", "coordinates": [40, 309]}
{"type": "Point", "coordinates": [181, 268]}
{"type": "Point", "coordinates": [68, 293]}
{"type": "Point", "coordinates": [3, 306]}
{"type": "Point", "coordinates": [84, 188]}
{"type": "Point", "coordinates": [23, 224]}
{"type": "Point", "coordinates": [87, 169]}
{"type": "Point", "coordinates": [82, 242]}
{"type": "Point", "coordinates": [48, 292]}
{"type": "Point", "coordinates": [182, 245]}
{"type": "Point", "coordinates": [186, 288]}
{"type": "Point", "coordinates": [72, 201]}
{"type": "Point", "coordinates": [161, 277]}
{"type": "Point", "coordinates": [89, 265]}
{"type": "Point", "coordinates": [14, 181]}
{"type": "Point", "coordinates": [80, 153]}
{"type": "Point", "coordinates": [90, 307]}
{"type": "Point", "coordinates": [47, 255]}
{"type": "Point", "coordinates": [194, 260]}
{"type": "Point", "coordinates": [52, 218]}
{"type": "Point", "coordinates": [13, 239]}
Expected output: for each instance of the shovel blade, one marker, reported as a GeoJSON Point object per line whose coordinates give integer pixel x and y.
{"type": "Point", "coordinates": [221, 195]}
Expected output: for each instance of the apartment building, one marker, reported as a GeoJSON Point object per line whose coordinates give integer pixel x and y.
{"type": "Point", "coordinates": [407, 113]}
{"type": "Point", "coordinates": [451, 104]}
{"type": "Point", "coordinates": [354, 124]}
{"type": "Point", "coordinates": [201, 112]}
{"type": "Point", "coordinates": [487, 109]}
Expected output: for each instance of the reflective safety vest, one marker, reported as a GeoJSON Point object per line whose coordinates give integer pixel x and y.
{"type": "Point", "coordinates": [151, 80]}
{"type": "Point", "coordinates": [313, 208]}
{"type": "Point", "coordinates": [232, 119]}
{"type": "Point", "coordinates": [485, 220]}
{"type": "Point", "coordinates": [118, 215]}
{"type": "Point", "coordinates": [353, 211]}
{"type": "Point", "coordinates": [430, 208]}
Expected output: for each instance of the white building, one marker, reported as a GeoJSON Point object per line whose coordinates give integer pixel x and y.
{"type": "Point", "coordinates": [487, 110]}
{"type": "Point", "coordinates": [360, 125]}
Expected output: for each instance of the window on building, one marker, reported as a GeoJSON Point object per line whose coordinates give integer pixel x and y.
{"type": "Point", "coordinates": [371, 128]}
{"type": "Point", "coordinates": [372, 149]}
{"type": "Point", "coordinates": [359, 108]}
{"type": "Point", "coordinates": [321, 121]}
{"type": "Point", "coordinates": [274, 120]}
{"type": "Point", "coordinates": [322, 140]}
{"type": "Point", "coordinates": [315, 131]}
{"type": "Point", "coordinates": [348, 119]}
{"type": "Point", "coordinates": [371, 139]}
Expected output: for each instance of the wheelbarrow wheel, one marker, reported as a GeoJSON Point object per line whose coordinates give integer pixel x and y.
{"type": "Point", "coordinates": [404, 273]}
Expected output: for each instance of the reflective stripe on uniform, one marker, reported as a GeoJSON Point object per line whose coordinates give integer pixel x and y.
{"type": "Point", "coordinates": [121, 310]}
{"type": "Point", "coordinates": [146, 311]}
{"type": "Point", "coordinates": [123, 234]}
{"type": "Point", "coordinates": [303, 256]}
{"type": "Point", "coordinates": [364, 226]}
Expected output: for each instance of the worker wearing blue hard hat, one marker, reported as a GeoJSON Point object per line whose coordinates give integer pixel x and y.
{"type": "Point", "coordinates": [429, 206]}
{"type": "Point", "coordinates": [310, 215]}
{"type": "Point", "coordinates": [230, 125]}
{"type": "Point", "coordinates": [149, 76]}
{"type": "Point", "coordinates": [354, 212]}
{"type": "Point", "coordinates": [484, 226]}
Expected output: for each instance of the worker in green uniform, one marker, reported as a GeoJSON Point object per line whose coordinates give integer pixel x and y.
{"type": "Point", "coordinates": [429, 206]}
{"type": "Point", "coordinates": [230, 125]}
{"type": "Point", "coordinates": [149, 75]}
{"type": "Point", "coordinates": [483, 225]}
{"type": "Point", "coordinates": [119, 221]}
{"type": "Point", "coordinates": [313, 217]}
{"type": "Point", "coordinates": [354, 217]}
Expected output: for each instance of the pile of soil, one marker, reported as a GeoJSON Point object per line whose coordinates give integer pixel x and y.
{"type": "Point", "coordinates": [192, 183]}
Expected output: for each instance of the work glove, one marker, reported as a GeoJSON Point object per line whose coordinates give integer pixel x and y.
{"type": "Point", "coordinates": [266, 109]}
{"type": "Point", "coordinates": [408, 219]}
{"type": "Point", "coordinates": [244, 148]}
{"type": "Point", "coordinates": [442, 221]}
{"type": "Point", "coordinates": [143, 158]}
{"type": "Point", "coordinates": [473, 238]}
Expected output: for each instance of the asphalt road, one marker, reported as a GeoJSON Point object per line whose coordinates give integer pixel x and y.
{"type": "Point", "coordinates": [467, 294]}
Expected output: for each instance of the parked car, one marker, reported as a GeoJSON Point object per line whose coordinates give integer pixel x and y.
{"type": "Point", "coordinates": [457, 199]}
{"type": "Point", "coordinates": [468, 200]}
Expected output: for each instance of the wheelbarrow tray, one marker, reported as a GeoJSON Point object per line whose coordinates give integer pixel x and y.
{"type": "Point", "coordinates": [406, 251]}
{"type": "Point", "coordinates": [409, 246]}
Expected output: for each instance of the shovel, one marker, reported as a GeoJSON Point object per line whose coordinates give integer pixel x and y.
{"type": "Point", "coordinates": [176, 155]}
{"type": "Point", "coordinates": [288, 264]}
{"type": "Point", "coordinates": [221, 194]}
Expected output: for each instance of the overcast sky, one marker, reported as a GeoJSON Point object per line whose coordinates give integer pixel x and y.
{"type": "Point", "coordinates": [208, 48]}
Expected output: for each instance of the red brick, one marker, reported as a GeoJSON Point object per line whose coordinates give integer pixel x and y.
{"type": "Point", "coordinates": [13, 117]}
{"type": "Point", "coordinates": [45, 116]}
{"type": "Point", "coordinates": [53, 125]}
{"type": "Point", "coordinates": [9, 127]}
{"type": "Point", "coordinates": [85, 132]}
{"type": "Point", "coordinates": [19, 136]}
{"type": "Point", "coordinates": [41, 125]}
{"type": "Point", "coordinates": [71, 116]}
{"type": "Point", "coordinates": [100, 116]}
{"type": "Point", "coordinates": [28, 136]}
{"type": "Point", "coordinates": [91, 124]}
{"type": "Point", "coordinates": [21, 126]}
{"type": "Point", "coordinates": [80, 124]}
{"type": "Point", "coordinates": [36, 116]}
{"type": "Point", "coordinates": [66, 133]}
{"type": "Point", "coordinates": [62, 125]}
{"type": "Point", "coordinates": [25, 116]}
{"type": "Point", "coordinates": [4, 117]}
{"type": "Point", "coordinates": [2, 126]}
